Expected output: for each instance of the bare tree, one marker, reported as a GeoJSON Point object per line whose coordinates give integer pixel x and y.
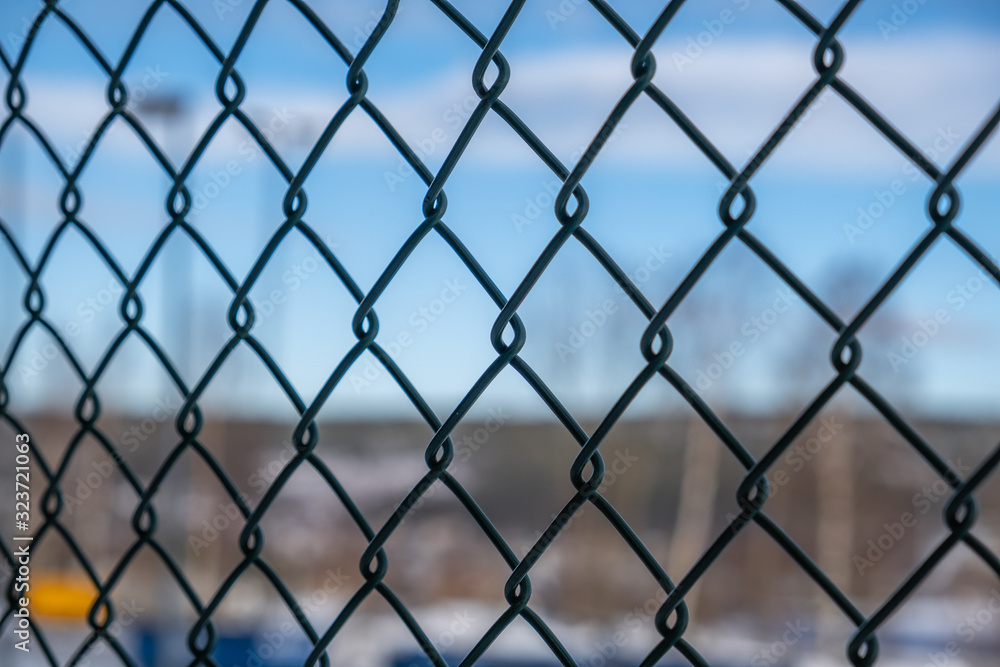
{"type": "Point", "coordinates": [712, 315]}
{"type": "Point", "coordinates": [845, 288]}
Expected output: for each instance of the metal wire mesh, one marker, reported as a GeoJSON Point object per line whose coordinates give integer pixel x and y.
{"type": "Point", "coordinates": [507, 336]}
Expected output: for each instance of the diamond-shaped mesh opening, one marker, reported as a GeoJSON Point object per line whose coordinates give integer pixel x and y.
{"type": "Point", "coordinates": [703, 48]}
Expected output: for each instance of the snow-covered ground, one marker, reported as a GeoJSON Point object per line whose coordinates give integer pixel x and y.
{"type": "Point", "coordinates": [382, 640]}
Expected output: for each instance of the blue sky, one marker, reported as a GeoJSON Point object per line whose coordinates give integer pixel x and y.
{"type": "Point", "coordinates": [735, 66]}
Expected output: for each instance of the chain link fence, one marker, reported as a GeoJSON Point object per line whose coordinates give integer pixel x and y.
{"type": "Point", "coordinates": [491, 75]}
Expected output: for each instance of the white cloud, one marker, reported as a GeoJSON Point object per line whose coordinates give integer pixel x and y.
{"type": "Point", "coordinates": [736, 93]}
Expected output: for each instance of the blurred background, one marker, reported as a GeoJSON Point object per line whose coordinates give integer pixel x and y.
{"type": "Point", "coordinates": [837, 203]}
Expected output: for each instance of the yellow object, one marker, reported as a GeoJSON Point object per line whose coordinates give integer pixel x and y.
{"type": "Point", "coordinates": [61, 596]}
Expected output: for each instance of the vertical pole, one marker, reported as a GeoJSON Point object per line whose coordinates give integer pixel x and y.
{"type": "Point", "coordinates": [835, 529]}
{"type": "Point", "coordinates": [696, 505]}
